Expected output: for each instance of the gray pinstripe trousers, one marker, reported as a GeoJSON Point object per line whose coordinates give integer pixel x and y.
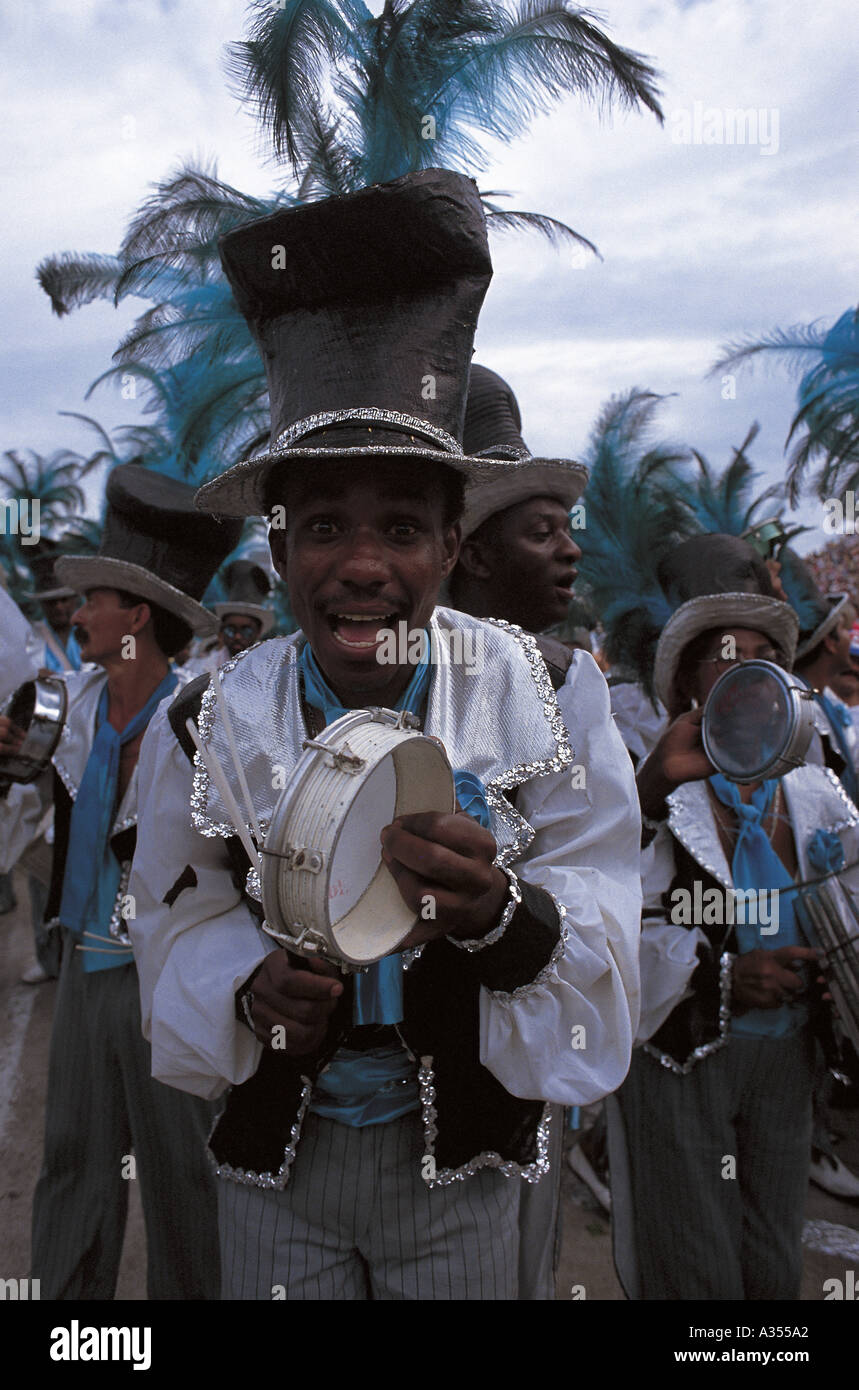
{"type": "Point", "coordinates": [102, 1104]}
{"type": "Point", "coordinates": [698, 1232]}
{"type": "Point", "coordinates": [357, 1221]}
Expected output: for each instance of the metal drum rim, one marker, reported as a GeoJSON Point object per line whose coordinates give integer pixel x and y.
{"type": "Point", "coordinates": [779, 764]}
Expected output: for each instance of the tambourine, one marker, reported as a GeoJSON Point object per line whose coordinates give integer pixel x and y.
{"type": "Point", "coordinates": [325, 887]}
{"type": "Point", "coordinates": [758, 722]}
{"type": "Point", "coordinates": [39, 708]}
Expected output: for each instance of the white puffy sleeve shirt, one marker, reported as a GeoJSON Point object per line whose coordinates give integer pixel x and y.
{"type": "Point", "coordinates": [565, 1036]}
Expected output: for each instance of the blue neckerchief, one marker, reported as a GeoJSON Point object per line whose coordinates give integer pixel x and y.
{"type": "Point", "coordinates": [839, 720]}
{"type": "Point", "coordinates": [89, 861]}
{"type": "Point", "coordinates": [755, 866]}
{"type": "Point", "coordinates": [378, 996]}
{"type": "Point", "coordinates": [318, 692]}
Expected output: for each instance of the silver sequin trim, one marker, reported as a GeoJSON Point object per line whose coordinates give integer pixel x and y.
{"type": "Point", "coordinates": [695, 836]}
{"type": "Point", "coordinates": [253, 887]}
{"type": "Point", "coordinates": [67, 781]}
{"type": "Point", "coordinates": [413, 954]}
{"type": "Point", "coordinates": [726, 966]}
{"type": "Point", "coordinates": [852, 816]}
{"type": "Point", "coordinates": [409, 424]}
{"type": "Point", "coordinates": [72, 788]}
{"type": "Point", "coordinates": [477, 943]}
{"type": "Point", "coordinates": [200, 787]}
{"type": "Point", "coordinates": [270, 1181]}
{"type": "Point", "coordinates": [514, 777]}
{"type": "Point", "coordinates": [543, 976]}
{"type": "Point", "coordinates": [117, 925]}
{"type": "Point", "coordinates": [530, 1172]}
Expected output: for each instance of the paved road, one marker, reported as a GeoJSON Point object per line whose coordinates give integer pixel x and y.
{"type": "Point", "coordinates": [25, 1022]}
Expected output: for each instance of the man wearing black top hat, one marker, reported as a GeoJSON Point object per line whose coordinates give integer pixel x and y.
{"type": "Point", "coordinates": [107, 1121]}
{"type": "Point", "coordinates": [61, 650]}
{"type": "Point", "coordinates": [243, 616]}
{"type": "Point", "coordinates": [377, 1152]}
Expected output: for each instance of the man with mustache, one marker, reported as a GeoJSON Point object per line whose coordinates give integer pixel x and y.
{"type": "Point", "coordinates": [378, 1123]}
{"type": "Point", "coordinates": [106, 1120]}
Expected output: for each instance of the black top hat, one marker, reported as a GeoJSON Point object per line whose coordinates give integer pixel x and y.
{"type": "Point", "coordinates": [492, 429]}
{"type": "Point", "coordinates": [155, 544]}
{"type": "Point", "coordinates": [713, 564]}
{"type": "Point", "coordinates": [41, 561]}
{"type": "Point", "coordinates": [248, 586]}
{"type": "Point", "coordinates": [364, 308]}
{"type": "Point", "coordinates": [714, 580]}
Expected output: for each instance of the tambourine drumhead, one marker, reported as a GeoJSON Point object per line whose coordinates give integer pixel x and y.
{"type": "Point", "coordinates": [758, 722]}
{"type": "Point", "coordinates": [322, 872]}
{"type": "Point", "coordinates": [39, 708]}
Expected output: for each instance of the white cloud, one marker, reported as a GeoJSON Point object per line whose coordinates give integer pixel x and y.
{"type": "Point", "coordinates": [702, 243]}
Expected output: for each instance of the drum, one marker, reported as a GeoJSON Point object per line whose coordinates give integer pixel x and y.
{"type": "Point", "coordinates": [39, 708]}
{"type": "Point", "coordinates": [758, 722]}
{"type": "Point", "coordinates": [325, 888]}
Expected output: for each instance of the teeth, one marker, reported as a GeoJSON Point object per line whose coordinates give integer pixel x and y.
{"type": "Point", "coordinates": [363, 617]}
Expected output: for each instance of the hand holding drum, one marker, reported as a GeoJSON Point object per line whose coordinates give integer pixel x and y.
{"type": "Point", "coordinates": [30, 728]}
{"type": "Point", "coordinates": [364, 832]}
{"type": "Point", "coordinates": [11, 737]}
{"type": "Point", "coordinates": [365, 855]}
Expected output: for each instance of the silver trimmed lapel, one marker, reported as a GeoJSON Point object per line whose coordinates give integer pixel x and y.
{"type": "Point", "coordinates": [813, 805]}
{"type": "Point", "coordinates": [692, 822]}
{"type": "Point", "coordinates": [504, 746]}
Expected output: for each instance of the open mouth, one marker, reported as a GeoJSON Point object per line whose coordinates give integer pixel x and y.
{"type": "Point", "coordinates": [359, 632]}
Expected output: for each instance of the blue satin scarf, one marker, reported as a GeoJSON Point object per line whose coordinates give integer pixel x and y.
{"type": "Point", "coordinates": [755, 866]}
{"type": "Point", "coordinates": [91, 878]}
{"type": "Point", "coordinates": [378, 994]}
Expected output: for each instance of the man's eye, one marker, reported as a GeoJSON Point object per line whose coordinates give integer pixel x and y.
{"type": "Point", "coordinates": [321, 526]}
{"type": "Point", "coordinates": [404, 528]}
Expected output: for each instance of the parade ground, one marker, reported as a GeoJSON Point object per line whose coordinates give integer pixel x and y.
{"type": "Point", "coordinates": [831, 1242]}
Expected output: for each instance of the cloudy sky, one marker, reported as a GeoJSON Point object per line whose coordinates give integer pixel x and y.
{"type": "Point", "coordinates": [703, 241]}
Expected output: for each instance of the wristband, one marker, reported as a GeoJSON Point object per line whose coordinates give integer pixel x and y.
{"type": "Point", "coordinates": [478, 943]}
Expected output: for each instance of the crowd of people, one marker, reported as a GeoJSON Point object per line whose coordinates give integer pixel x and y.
{"type": "Point", "coordinates": [607, 915]}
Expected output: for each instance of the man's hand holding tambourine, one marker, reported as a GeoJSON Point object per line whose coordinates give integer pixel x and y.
{"type": "Point", "coordinates": [11, 737]}
{"type": "Point", "coordinates": [300, 1001]}
{"type": "Point", "coordinates": [443, 867]}
{"type": "Point", "coordinates": [678, 757]}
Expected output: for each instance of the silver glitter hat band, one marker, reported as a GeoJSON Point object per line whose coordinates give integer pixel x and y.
{"type": "Point", "coordinates": [368, 415]}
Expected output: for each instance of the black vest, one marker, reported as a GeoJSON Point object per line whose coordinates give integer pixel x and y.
{"type": "Point", "coordinates": [695, 1021]}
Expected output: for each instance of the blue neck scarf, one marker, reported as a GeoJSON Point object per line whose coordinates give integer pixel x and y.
{"type": "Point", "coordinates": [839, 721]}
{"type": "Point", "coordinates": [755, 866]}
{"type": "Point", "coordinates": [378, 996]}
{"type": "Point", "coordinates": [318, 693]}
{"type": "Point", "coordinates": [95, 807]}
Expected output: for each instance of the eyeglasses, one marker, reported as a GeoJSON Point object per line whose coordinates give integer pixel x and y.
{"type": "Point", "coordinates": [727, 663]}
{"type": "Point", "coordinates": [240, 630]}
